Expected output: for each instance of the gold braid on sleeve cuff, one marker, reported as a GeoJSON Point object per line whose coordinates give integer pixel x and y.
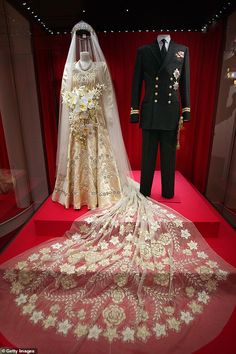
{"type": "Point", "coordinates": [134, 111]}
{"type": "Point", "coordinates": [185, 109]}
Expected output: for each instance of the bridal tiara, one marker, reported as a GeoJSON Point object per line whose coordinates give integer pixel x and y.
{"type": "Point", "coordinates": [82, 26]}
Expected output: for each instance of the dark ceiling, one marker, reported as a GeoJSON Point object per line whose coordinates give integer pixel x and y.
{"type": "Point", "coordinates": [61, 15]}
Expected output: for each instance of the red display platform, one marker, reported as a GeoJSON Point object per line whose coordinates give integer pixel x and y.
{"type": "Point", "coordinates": [54, 220]}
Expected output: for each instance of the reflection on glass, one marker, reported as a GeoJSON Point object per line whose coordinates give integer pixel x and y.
{"type": "Point", "coordinates": [221, 188]}
{"type": "Point", "coordinates": [23, 180]}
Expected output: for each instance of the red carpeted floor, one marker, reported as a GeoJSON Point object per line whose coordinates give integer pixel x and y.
{"type": "Point", "coordinates": [187, 201]}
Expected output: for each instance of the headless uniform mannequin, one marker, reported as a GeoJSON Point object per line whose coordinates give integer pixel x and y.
{"type": "Point", "coordinates": [168, 139]}
{"type": "Point", "coordinates": [166, 75]}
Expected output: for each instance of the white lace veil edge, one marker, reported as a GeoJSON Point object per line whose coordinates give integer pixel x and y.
{"type": "Point", "coordinates": [88, 41]}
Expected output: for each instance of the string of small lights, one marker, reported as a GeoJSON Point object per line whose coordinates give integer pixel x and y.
{"type": "Point", "coordinates": [37, 18]}
{"type": "Point", "coordinates": [215, 18]}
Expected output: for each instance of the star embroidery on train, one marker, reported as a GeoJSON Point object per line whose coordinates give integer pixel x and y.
{"type": "Point", "coordinates": [179, 54]}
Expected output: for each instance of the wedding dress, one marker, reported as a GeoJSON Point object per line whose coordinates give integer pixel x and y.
{"type": "Point", "coordinates": [135, 277]}
{"type": "Point", "coordinates": [91, 175]}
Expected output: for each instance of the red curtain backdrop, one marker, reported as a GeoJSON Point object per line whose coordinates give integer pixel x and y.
{"type": "Point", "coordinates": [120, 50]}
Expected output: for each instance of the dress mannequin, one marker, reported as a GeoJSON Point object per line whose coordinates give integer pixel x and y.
{"type": "Point", "coordinates": [85, 61]}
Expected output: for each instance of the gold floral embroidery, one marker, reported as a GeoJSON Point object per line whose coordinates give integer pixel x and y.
{"type": "Point", "coordinates": [145, 251]}
{"type": "Point", "coordinates": [169, 310]}
{"type": "Point", "coordinates": [50, 321]}
{"type": "Point", "coordinates": [81, 330]}
{"type": "Point", "coordinates": [63, 327]}
{"type": "Point", "coordinates": [121, 279]}
{"type": "Point", "coordinates": [117, 295]}
{"type": "Point", "coordinates": [55, 309]}
{"type": "Point", "coordinates": [67, 282]}
{"type": "Point", "coordinates": [25, 277]}
{"type": "Point", "coordinates": [195, 307]}
{"type": "Point", "coordinates": [16, 288]}
{"type": "Point", "coordinates": [113, 315]}
{"type": "Point", "coordinates": [162, 279]}
{"type": "Point", "coordinates": [174, 324]}
{"type": "Point", "coordinates": [190, 291]}
{"type": "Point", "coordinates": [143, 333]}
{"type": "Point", "coordinates": [158, 250]}
{"type": "Point", "coordinates": [94, 332]}
{"type": "Point", "coordinates": [211, 285]}
{"type": "Point", "coordinates": [204, 272]}
{"type": "Point", "coordinates": [110, 333]}
{"type": "Point", "coordinates": [128, 334]}
{"type": "Point", "coordinates": [28, 309]}
{"type": "Point", "coordinates": [165, 239]}
{"type": "Point", "coordinates": [186, 317]}
{"type": "Point", "coordinates": [160, 330]}
{"type": "Point", "coordinates": [81, 314]}
{"type": "Point", "coordinates": [36, 316]}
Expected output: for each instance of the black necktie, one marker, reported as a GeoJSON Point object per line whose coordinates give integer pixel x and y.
{"type": "Point", "coordinates": [163, 49]}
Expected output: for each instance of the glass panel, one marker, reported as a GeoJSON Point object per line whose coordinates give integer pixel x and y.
{"type": "Point", "coordinates": [221, 187]}
{"type": "Point", "coordinates": [22, 165]}
{"type": "Point", "coordinates": [229, 210]}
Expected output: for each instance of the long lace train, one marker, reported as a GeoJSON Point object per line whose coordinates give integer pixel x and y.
{"type": "Point", "coordinates": [134, 278]}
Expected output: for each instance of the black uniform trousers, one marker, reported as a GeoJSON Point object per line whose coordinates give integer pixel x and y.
{"type": "Point", "coordinates": [167, 140]}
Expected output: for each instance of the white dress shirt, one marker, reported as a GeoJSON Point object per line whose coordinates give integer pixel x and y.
{"type": "Point", "coordinates": [166, 37]}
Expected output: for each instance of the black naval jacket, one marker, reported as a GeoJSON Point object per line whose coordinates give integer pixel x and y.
{"type": "Point", "coordinates": [164, 83]}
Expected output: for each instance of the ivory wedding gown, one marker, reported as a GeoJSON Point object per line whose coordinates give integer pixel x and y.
{"type": "Point", "coordinates": [135, 277]}
{"type": "Point", "coordinates": [91, 177]}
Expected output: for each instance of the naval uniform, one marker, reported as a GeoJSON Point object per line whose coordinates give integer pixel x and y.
{"type": "Point", "coordinates": [166, 95]}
